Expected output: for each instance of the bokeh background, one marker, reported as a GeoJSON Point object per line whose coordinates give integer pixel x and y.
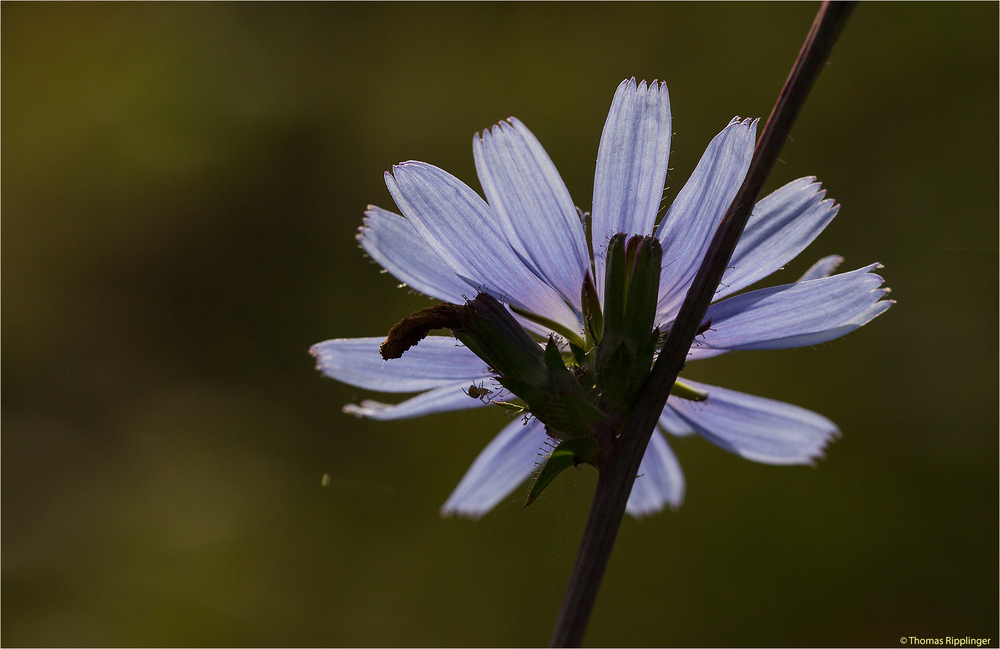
{"type": "Point", "coordinates": [181, 187]}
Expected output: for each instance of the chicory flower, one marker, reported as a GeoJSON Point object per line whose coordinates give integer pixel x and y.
{"type": "Point", "coordinates": [528, 246]}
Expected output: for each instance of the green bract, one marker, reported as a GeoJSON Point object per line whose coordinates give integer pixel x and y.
{"type": "Point", "coordinates": [571, 452]}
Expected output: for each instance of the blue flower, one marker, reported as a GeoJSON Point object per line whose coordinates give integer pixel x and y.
{"type": "Point", "coordinates": [528, 243]}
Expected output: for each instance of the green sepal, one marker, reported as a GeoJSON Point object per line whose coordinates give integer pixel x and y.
{"type": "Point", "coordinates": [642, 364]}
{"type": "Point", "coordinates": [592, 315]}
{"type": "Point", "coordinates": [615, 283]}
{"type": "Point", "coordinates": [613, 376]}
{"type": "Point", "coordinates": [571, 452]}
{"type": "Point", "coordinates": [643, 291]}
{"type": "Point", "coordinates": [560, 378]}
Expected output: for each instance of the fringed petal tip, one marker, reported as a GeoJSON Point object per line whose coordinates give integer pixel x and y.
{"type": "Point", "coordinates": [882, 304]}
{"type": "Point", "coordinates": [496, 129]}
{"type": "Point", "coordinates": [405, 165]}
{"type": "Point", "coordinates": [642, 87]}
{"type": "Point", "coordinates": [366, 221]}
{"type": "Point", "coordinates": [820, 452]}
{"type": "Point", "coordinates": [316, 351]}
{"type": "Point", "coordinates": [749, 122]}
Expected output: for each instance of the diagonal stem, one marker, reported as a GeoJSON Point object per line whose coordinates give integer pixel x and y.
{"type": "Point", "coordinates": [634, 431]}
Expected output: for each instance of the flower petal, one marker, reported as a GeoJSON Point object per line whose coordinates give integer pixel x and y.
{"type": "Point", "coordinates": [660, 481]}
{"type": "Point", "coordinates": [687, 229]}
{"type": "Point", "coordinates": [671, 422]}
{"type": "Point", "coordinates": [443, 399]}
{"type": "Point", "coordinates": [781, 226]}
{"type": "Point", "coordinates": [822, 268]}
{"type": "Point", "coordinates": [462, 230]}
{"type": "Point", "coordinates": [505, 463]}
{"type": "Point", "coordinates": [393, 242]}
{"type": "Point", "coordinates": [756, 428]}
{"type": "Point", "coordinates": [533, 206]}
{"type": "Point", "coordinates": [794, 315]}
{"type": "Point", "coordinates": [436, 361]}
{"type": "Point", "coordinates": [631, 166]}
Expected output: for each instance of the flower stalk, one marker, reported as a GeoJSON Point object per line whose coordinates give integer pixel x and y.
{"type": "Point", "coordinates": [621, 463]}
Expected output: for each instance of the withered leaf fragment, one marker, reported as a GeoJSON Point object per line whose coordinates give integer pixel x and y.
{"type": "Point", "coordinates": [413, 328]}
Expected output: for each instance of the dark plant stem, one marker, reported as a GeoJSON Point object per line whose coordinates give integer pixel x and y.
{"type": "Point", "coordinates": [619, 469]}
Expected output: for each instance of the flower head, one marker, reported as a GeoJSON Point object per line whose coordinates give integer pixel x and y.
{"type": "Point", "coordinates": [597, 307]}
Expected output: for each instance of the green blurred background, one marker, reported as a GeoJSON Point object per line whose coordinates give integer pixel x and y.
{"type": "Point", "coordinates": [182, 184]}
